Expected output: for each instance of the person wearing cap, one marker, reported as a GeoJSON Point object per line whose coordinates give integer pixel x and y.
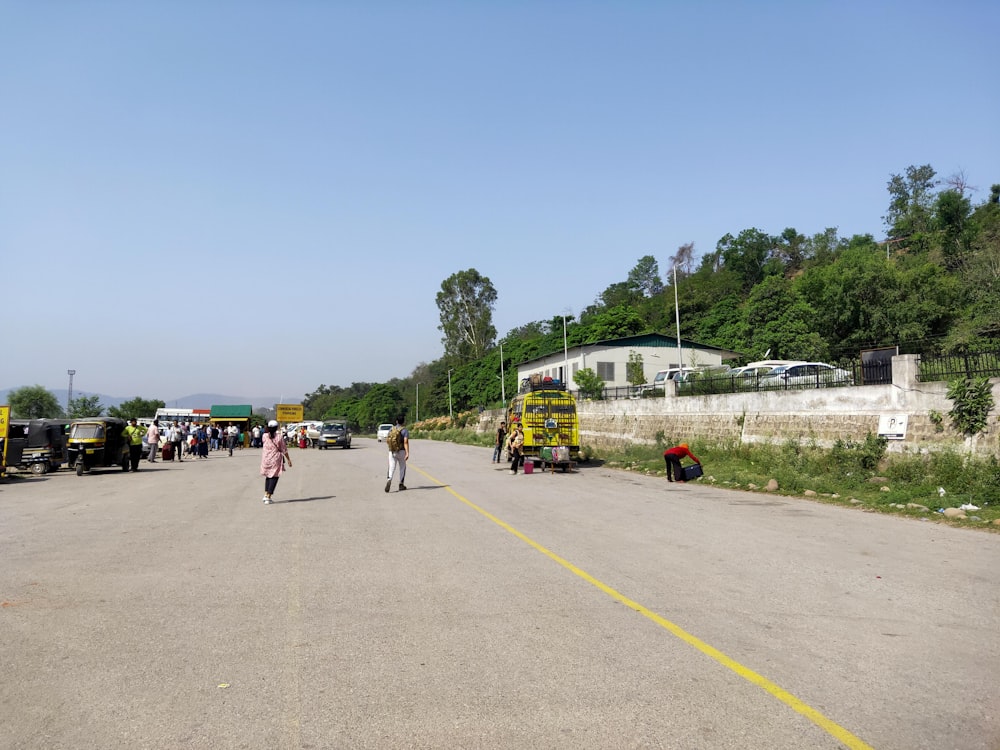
{"type": "Point", "coordinates": [273, 458]}
{"type": "Point", "coordinates": [673, 457]}
{"type": "Point", "coordinates": [133, 435]}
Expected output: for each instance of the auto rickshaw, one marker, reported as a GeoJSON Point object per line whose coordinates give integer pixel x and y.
{"type": "Point", "coordinates": [97, 442]}
{"type": "Point", "coordinates": [37, 445]}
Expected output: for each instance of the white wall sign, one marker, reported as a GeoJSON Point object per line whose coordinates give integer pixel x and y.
{"type": "Point", "coordinates": [892, 426]}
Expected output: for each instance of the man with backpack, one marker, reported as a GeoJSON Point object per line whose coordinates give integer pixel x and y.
{"type": "Point", "coordinates": [398, 442]}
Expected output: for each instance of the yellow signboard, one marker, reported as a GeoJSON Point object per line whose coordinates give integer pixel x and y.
{"type": "Point", "coordinates": [4, 425]}
{"type": "Point", "coordinates": [288, 412]}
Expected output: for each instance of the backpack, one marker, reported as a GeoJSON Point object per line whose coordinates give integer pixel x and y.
{"type": "Point", "coordinates": [394, 440]}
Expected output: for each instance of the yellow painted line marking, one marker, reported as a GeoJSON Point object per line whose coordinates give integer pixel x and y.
{"type": "Point", "coordinates": [827, 725]}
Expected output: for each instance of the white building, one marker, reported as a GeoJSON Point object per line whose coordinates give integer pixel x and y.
{"type": "Point", "coordinates": [609, 359]}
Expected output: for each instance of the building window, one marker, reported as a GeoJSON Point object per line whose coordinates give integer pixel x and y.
{"type": "Point", "coordinates": [606, 371]}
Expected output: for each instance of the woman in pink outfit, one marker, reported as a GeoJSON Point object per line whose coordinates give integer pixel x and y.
{"type": "Point", "coordinates": [273, 458]}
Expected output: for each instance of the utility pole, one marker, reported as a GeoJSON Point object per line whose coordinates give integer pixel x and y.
{"type": "Point", "coordinates": [69, 393]}
{"type": "Point", "coordinates": [450, 415]}
{"type": "Point", "coordinates": [503, 392]}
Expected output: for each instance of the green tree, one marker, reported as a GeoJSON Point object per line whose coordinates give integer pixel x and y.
{"type": "Point", "coordinates": [614, 323]}
{"type": "Point", "coordinates": [85, 406]}
{"type": "Point", "coordinates": [645, 277]}
{"type": "Point", "coordinates": [911, 199]}
{"type": "Point", "coordinates": [383, 403]}
{"type": "Point", "coordinates": [33, 402]}
{"type": "Point", "coordinates": [751, 256]}
{"type": "Point", "coordinates": [590, 384]}
{"type": "Point", "coordinates": [466, 303]}
{"type": "Point", "coordinates": [138, 408]}
{"type": "Point", "coordinates": [634, 371]}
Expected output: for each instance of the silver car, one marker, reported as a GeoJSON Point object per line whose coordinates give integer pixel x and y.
{"type": "Point", "coordinates": [806, 375]}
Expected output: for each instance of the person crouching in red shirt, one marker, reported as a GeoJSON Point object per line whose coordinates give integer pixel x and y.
{"type": "Point", "coordinates": [673, 457]}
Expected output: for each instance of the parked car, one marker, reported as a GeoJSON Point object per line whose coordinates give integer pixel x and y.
{"type": "Point", "coordinates": [805, 375]}
{"type": "Point", "coordinates": [383, 431]}
{"type": "Point", "coordinates": [761, 368]}
{"type": "Point", "coordinates": [659, 379]}
{"type": "Point", "coordinates": [334, 434]}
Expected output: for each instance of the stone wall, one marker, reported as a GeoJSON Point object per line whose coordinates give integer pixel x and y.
{"type": "Point", "coordinates": [816, 416]}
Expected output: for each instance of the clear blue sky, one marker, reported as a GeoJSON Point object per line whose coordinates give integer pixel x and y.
{"type": "Point", "coordinates": [254, 198]}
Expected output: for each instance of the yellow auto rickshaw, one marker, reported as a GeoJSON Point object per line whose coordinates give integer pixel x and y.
{"type": "Point", "coordinates": [97, 442]}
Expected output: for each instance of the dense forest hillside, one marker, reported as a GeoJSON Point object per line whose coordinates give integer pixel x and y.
{"type": "Point", "coordinates": [933, 285]}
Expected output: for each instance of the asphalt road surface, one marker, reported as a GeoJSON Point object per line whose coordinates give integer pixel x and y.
{"type": "Point", "coordinates": [171, 608]}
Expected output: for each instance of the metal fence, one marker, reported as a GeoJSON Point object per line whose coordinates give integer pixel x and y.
{"type": "Point", "coordinates": [951, 366]}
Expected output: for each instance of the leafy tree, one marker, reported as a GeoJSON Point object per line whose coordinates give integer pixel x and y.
{"type": "Point", "coordinates": [634, 372]}
{"type": "Point", "coordinates": [779, 320]}
{"type": "Point", "coordinates": [33, 402]}
{"type": "Point", "coordinates": [645, 277]}
{"type": "Point", "coordinates": [85, 406]}
{"type": "Point", "coordinates": [751, 256]}
{"type": "Point", "coordinates": [383, 403]}
{"type": "Point", "coordinates": [614, 323]}
{"type": "Point", "coordinates": [952, 212]}
{"type": "Point", "coordinates": [911, 199]}
{"type": "Point", "coordinates": [589, 382]}
{"type": "Point", "coordinates": [138, 408]}
{"type": "Point", "coordinates": [466, 303]}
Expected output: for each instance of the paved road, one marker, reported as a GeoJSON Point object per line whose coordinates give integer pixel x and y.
{"type": "Point", "coordinates": [172, 609]}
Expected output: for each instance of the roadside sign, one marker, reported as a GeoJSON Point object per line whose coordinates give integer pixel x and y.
{"type": "Point", "coordinates": [288, 412]}
{"type": "Point", "coordinates": [4, 425]}
{"type": "Point", "coordinates": [892, 426]}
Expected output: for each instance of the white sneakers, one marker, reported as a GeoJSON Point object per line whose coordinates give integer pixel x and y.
{"type": "Point", "coordinates": [267, 500]}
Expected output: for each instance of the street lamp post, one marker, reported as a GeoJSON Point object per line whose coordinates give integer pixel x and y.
{"type": "Point", "coordinates": [450, 415]}
{"type": "Point", "coordinates": [677, 316]}
{"type": "Point", "coordinates": [503, 392]}
{"type": "Point", "coordinates": [69, 393]}
{"type": "Point", "coordinates": [418, 403]}
{"type": "Point", "coordinates": [565, 374]}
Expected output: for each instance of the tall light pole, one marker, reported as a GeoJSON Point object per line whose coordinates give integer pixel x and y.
{"type": "Point", "coordinates": [450, 416]}
{"type": "Point", "coordinates": [69, 393]}
{"type": "Point", "coordinates": [503, 392]}
{"type": "Point", "coordinates": [677, 315]}
{"type": "Point", "coordinates": [418, 403]}
{"type": "Point", "coordinates": [565, 374]}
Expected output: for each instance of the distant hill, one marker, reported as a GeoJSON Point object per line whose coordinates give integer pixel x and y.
{"type": "Point", "coordinates": [195, 401]}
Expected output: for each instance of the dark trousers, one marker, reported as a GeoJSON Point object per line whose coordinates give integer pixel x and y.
{"type": "Point", "coordinates": [134, 454]}
{"type": "Point", "coordinates": [517, 460]}
{"type": "Point", "coordinates": [675, 463]}
{"type": "Point", "coordinates": [269, 484]}
{"type": "Point", "coordinates": [177, 449]}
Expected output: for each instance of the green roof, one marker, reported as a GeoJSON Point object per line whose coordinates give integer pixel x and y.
{"type": "Point", "coordinates": [229, 411]}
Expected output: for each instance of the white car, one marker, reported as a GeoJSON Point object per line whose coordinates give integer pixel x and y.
{"type": "Point", "coordinates": [806, 374]}
{"type": "Point", "coordinates": [383, 431]}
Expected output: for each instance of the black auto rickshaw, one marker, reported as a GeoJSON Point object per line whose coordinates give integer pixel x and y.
{"type": "Point", "coordinates": [97, 442]}
{"type": "Point", "coordinates": [37, 445]}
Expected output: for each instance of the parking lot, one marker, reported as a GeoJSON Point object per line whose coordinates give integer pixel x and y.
{"type": "Point", "coordinates": [594, 609]}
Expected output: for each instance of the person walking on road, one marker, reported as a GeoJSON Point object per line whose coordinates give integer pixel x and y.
{"type": "Point", "coordinates": [498, 445]}
{"type": "Point", "coordinates": [176, 437]}
{"type": "Point", "coordinates": [133, 436]}
{"type": "Point", "coordinates": [272, 459]}
{"type": "Point", "coordinates": [153, 440]}
{"type": "Point", "coordinates": [673, 457]}
{"type": "Point", "coordinates": [398, 442]}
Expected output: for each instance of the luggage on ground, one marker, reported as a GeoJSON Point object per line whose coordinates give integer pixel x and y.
{"type": "Point", "coordinates": [692, 472]}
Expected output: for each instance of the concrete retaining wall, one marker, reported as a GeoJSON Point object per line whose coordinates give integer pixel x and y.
{"type": "Point", "coordinates": [816, 416]}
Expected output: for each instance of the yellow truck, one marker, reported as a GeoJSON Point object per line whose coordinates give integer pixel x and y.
{"type": "Point", "coordinates": [547, 414]}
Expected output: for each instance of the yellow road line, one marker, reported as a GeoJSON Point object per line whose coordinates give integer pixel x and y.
{"type": "Point", "coordinates": [827, 725]}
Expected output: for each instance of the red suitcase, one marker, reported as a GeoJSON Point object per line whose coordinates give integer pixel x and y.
{"type": "Point", "coordinates": [167, 452]}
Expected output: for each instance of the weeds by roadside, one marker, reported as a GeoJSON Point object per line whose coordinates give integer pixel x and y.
{"type": "Point", "coordinates": [851, 472]}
